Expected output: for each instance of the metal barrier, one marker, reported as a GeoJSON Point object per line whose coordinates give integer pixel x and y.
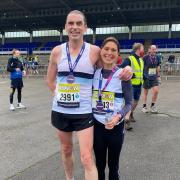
{"type": "Point", "coordinates": [170, 69]}
{"type": "Point", "coordinates": [31, 71]}
{"type": "Point", "coordinates": [167, 69]}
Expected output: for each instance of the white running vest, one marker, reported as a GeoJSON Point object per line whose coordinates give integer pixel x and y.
{"type": "Point", "coordinates": [113, 86]}
{"type": "Point", "coordinates": [83, 72]}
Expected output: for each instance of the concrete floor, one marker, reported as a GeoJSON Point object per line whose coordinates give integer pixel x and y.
{"type": "Point", "coordinates": [29, 148]}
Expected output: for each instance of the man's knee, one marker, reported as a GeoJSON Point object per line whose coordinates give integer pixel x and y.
{"type": "Point", "coordinates": [67, 150]}
{"type": "Point", "coordinates": [135, 102]}
{"type": "Point", "coordinates": [155, 90]}
{"type": "Point", "coordinates": [87, 160]}
{"type": "Point", "coordinates": [145, 92]}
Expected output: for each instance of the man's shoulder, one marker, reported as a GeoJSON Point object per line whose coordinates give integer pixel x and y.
{"type": "Point", "coordinates": [146, 57]}
{"type": "Point", "coordinates": [56, 50]}
{"type": "Point", "coordinates": [94, 53]}
{"type": "Point", "coordinates": [94, 48]}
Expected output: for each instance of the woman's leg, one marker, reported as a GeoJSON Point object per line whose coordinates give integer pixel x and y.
{"type": "Point", "coordinates": [19, 94]}
{"type": "Point", "coordinates": [11, 95]}
{"type": "Point", "coordinates": [100, 149]}
{"type": "Point", "coordinates": [115, 142]}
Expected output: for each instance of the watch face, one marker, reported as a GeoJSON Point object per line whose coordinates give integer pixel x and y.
{"type": "Point", "coordinates": [99, 106]}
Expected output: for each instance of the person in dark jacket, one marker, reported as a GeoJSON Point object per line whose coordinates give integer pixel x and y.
{"type": "Point", "coordinates": [15, 67]}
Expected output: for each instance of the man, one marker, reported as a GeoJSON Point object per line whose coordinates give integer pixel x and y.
{"type": "Point", "coordinates": [171, 61]}
{"type": "Point", "coordinates": [136, 62]}
{"type": "Point", "coordinates": [70, 75]}
{"type": "Point", "coordinates": [151, 78]}
{"type": "Point", "coordinates": [15, 67]}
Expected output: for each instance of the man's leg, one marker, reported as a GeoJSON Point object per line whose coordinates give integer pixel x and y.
{"type": "Point", "coordinates": [145, 94]}
{"type": "Point", "coordinates": [134, 105]}
{"type": "Point", "coordinates": [155, 91]}
{"type": "Point", "coordinates": [129, 115]}
{"type": "Point", "coordinates": [66, 151]}
{"type": "Point", "coordinates": [85, 138]}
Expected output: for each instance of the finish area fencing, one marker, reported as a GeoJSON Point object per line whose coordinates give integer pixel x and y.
{"type": "Point", "coordinates": [167, 70]}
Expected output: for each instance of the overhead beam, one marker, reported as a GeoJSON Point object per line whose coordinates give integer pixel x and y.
{"type": "Point", "coordinates": [29, 12]}
{"type": "Point", "coordinates": [65, 4]}
{"type": "Point", "coordinates": [97, 9]}
{"type": "Point", "coordinates": [120, 12]}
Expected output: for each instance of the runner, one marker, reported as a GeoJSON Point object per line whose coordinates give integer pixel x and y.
{"type": "Point", "coordinates": [151, 79]}
{"type": "Point", "coordinates": [109, 110]}
{"type": "Point", "coordinates": [70, 77]}
{"type": "Point", "coordinates": [15, 67]}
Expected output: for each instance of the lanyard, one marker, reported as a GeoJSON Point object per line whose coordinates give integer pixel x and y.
{"type": "Point", "coordinates": [153, 60]}
{"type": "Point", "coordinates": [107, 82]}
{"type": "Point", "coordinates": [72, 67]}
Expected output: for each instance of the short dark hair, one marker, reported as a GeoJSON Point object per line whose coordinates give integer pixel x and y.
{"type": "Point", "coordinates": [111, 39]}
{"type": "Point", "coordinates": [78, 12]}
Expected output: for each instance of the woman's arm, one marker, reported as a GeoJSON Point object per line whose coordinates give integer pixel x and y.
{"type": "Point", "coordinates": [127, 90]}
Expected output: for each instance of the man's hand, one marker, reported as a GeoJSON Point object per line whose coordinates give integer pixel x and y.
{"type": "Point", "coordinates": [159, 80]}
{"type": "Point", "coordinates": [126, 73]}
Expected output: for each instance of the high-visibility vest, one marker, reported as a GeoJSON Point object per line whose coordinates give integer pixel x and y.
{"type": "Point", "coordinates": [137, 70]}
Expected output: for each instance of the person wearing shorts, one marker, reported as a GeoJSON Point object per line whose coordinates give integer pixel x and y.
{"type": "Point", "coordinates": [136, 62]}
{"type": "Point", "coordinates": [151, 76]}
{"type": "Point", "coordinates": [70, 77]}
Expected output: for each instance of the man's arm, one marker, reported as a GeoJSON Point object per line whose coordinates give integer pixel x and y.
{"type": "Point", "coordinates": [52, 68]}
{"type": "Point", "coordinates": [95, 55]}
{"type": "Point", "coordinates": [125, 63]}
{"type": "Point", "coordinates": [126, 73]}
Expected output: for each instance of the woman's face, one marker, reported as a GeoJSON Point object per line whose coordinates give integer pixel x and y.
{"type": "Point", "coordinates": [109, 53]}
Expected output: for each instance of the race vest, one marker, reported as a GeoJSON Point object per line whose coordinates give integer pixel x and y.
{"type": "Point", "coordinates": [137, 70]}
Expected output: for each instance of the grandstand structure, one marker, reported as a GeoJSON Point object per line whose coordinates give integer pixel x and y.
{"type": "Point", "coordinates": [36, 26]}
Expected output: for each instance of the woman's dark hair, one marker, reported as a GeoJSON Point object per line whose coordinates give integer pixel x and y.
{"type": "Point", "coordinates": [111, 39]}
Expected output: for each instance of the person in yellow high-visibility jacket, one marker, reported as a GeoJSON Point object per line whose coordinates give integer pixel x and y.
{"type": "Point", "coordinates": [136, 62]}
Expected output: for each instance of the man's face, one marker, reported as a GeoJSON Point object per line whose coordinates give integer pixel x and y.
{"type": "Point", "coordinates": [75, 26]}
{"type": "Point", "coordinates": [140, 51]}
{"type": "Point", "coordinates": [153, 50]}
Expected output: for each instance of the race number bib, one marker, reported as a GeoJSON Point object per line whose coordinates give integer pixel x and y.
{"type": "Point", "coordinates": [107, 100]}
{"type": "Point", "coordinates": [152, 71]}
{"type": "Point", "coordinates": [68, 95]}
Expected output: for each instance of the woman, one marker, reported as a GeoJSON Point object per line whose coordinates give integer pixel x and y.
{"type": "Point", "coordinates": [111, 101]}
{"type": "Point", "coordinates": [15, 67]}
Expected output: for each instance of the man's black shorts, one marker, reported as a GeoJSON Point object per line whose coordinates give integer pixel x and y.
{"type": "Point", "coordinates": [71, 122]}
{"type": "Point", "coordinates": [148, 84]}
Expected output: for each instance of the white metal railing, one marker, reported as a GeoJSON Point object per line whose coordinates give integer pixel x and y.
{"type": "Point", "coordinates": [167, 69]}
{"type": "Point", "coordinates": [31, 70]}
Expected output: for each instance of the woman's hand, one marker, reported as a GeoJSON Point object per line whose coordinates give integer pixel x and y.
{"type": "Point", "coordinates": [114, 120]}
